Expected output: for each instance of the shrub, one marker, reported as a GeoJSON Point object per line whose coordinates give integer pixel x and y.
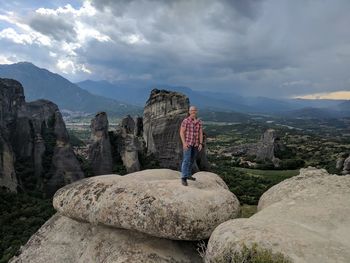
{"type": "Point", "coordinates": [256, 254]}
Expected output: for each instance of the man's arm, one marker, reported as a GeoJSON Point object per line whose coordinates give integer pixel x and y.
{"type": "Point", "coordinates": [200, 137]}
{"type": "Point", "coordinates": [182, 135]}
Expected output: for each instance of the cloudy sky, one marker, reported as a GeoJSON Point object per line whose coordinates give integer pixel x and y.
{"type": "Point", "coordinates": [274, 48]}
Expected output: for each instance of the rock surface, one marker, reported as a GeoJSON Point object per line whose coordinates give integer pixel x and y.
{"type": "Point", "coordinates": [100, 152]}
{"type": "Point", "coordinates": [62, 239]}
{"type": "Point", "coordinates": [35, 135]}
{"type": "Point", "coordinates": [162, 117]}
{"type": "Point", "coordinates": [265, 150]}
{"type": "Point", "coordinates": [151, 201]}
{"type": "Point", "coordinates": [129, 145]}
{"type": "Point", "coordinates": [346, 166]}
{"type": "Point", "coordinates": [11, 101]}
{"type": "Point", "coordinates": [306, 218]}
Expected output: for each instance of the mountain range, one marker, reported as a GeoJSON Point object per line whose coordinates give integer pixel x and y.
{"type": "Point", "coordinates": [221, 101]}
{"type": "Point", "coordinates": [39, 83]}
{"type": "Point", "coordinates": [124, 98]}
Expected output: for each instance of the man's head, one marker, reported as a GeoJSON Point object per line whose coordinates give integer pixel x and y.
{"type": "Point", "coordinates": [193, 112]}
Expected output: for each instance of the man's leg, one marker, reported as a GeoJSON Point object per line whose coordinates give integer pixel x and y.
{"type": "Point", "coordinates": [186, 163]}
{"type": "Point", "coordinates": [194, 152]}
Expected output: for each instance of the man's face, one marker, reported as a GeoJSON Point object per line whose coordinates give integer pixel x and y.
{"type": "Point", "coordinates": [193, 112]}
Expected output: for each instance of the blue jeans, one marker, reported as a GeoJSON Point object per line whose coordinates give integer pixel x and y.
{"type": "Point", "coordinates": [189, 156]}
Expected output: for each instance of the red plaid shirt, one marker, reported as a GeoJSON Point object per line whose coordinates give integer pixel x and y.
{"type": "Point", "coordinates": [192, 129]}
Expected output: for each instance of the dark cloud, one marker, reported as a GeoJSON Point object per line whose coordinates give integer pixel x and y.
{"type": "Point", "coordinates": [57, 27]}
{"type": "Point", "coordinates": [257, 47]}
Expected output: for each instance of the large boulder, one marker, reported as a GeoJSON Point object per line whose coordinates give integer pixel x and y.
{"type": "Point", "coordinates": [306, 218]}
{"type": "Point", "coordinates": [346, 167]}
{"type": "Point", "coordinates": [151, 201]}
{"type": "Point", "coordinates": [100, 152]}
{"type": "Point", "coordinates": [62, 239]}
{"type": "Point", "coordinates": [162, 117]}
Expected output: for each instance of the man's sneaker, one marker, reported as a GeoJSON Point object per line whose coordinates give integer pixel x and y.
{"type": "Point", "coordinates": [191, 178]}
{"type": "Point", "coordinates": [184, 181]}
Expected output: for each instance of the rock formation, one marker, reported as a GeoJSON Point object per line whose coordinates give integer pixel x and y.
{"type": "Point", "coordinates": [162, 117]}
{"type": "Point", "coordinates": [346, 166]}
{"type": "Point", "coordinates": [101, 219]}
{"type": "Point", "coordinates": [100, 152]}
{"type": "Point", "coordinates": [306, 218]}
{"type": "Point", "coordinates": [265, 150]}
{"type": "Point", "coordinates": [151, 201]}
{"type": "Point", "coordinates": [343, 164]}
{"type": "Point", "coordinates": [11, 101]}
{"type": "Point", "coordinates": [129, 145]}
{"type": "Point", "coordinates": [62, 239]}
{"type": "Point", "coordinates": [37, 136]}
{"type": "Point", "coordinates": [268, 146]}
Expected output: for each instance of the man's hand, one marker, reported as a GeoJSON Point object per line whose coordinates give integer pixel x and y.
{"type": "Point", "coordinates": [185, 146]}
{"type": "Point", "coordinates": [200, 147]}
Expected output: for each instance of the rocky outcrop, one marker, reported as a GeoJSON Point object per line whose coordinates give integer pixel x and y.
{"type": "Point", "coordinates": [266, 149]}
{"type": "Point", "coordinates": [62, 239]}
{"type": "Point", "coordinates": [101, 219]}
{"type": "Point", "coordinates": [129, 145]}
{"type": "Point", "coordinates": [162, 117]}
{"type": "Point", "coordinates": [37, 136]}
{"type": "Point", "coordinates": [346, 166]}
{"type": "Point", "coordinates": [151, 201]}
{"type": "Point", "coordinates": [11, 101]}
{"type": "Point", "coordinates": [306, 218]}
{"type": "Point", "coordinates": [268, 146]}
{"type": "Point", "coordinates": [343, 164]}
{"type": "Point", "coordinates": [100, 153]}
{"type": "Point", "coordinates": [8, 178]}
{"type": "Point", "coordinates": [41, 136]}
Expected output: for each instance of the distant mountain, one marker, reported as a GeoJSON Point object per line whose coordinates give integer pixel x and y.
{"type": "Point", "coordinates": [40, 83]}
{"type": "Point", "coordinates": [314, 113]}
{"type": "Point", "coordinates": [207, 100]}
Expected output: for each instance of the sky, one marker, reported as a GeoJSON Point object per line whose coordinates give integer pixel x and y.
{"type": "Point", "coordinates": [271, 48]}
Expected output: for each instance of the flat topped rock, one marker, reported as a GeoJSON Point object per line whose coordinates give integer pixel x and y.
{"type": "Point", "coordinates": [151, 201]}
{"type": "Point", "coordinates": [306, 218]}
{"type": "Point", "coordinates": [64, 240]}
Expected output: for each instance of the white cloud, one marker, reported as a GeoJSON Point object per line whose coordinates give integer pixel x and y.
{"type": "Point", "coordinates": [134, 39]}
{"type": "Point", "coordinates": [70, 67]}
{"type": "Point", "coordinates": [6, 60]}
{"type": "Point", "coordinates": [86, 10]}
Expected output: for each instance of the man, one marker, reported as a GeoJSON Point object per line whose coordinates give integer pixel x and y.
{"type": "Point", "coordinates": [191, 133]}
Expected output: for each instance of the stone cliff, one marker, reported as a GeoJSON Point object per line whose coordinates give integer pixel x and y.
{"type": "Point", "coordinates": [266, 150]}
{"type": "Point", "coordinates": [11, 101]}
{"type": "Point", "coordinates": [100, 152]}
{"type": "Point", "coordinates": [36, 136]}
{"type": "Point", "coordinates": [162, 117]}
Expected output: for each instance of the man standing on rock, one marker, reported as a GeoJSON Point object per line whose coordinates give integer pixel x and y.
{"type": "Point", "coordinates": [191, 133]}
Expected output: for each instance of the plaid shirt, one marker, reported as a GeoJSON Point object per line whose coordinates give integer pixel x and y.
{"type": "Point", "coordinates": [192, 129]}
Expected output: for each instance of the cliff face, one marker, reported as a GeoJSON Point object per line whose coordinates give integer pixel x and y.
{"type": "Point", "coordinates": [129, 145]}
{"type": "Point", "coordinates": [100, 153]}
{"type": "Point", "coordinates": [11, 100]}
{"type": "Point", "coordinates": [162, 117]}
{"type": "Point", "coordinates": [266, 149]}
{"type": "Point", "coordinates": [37, 136]}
